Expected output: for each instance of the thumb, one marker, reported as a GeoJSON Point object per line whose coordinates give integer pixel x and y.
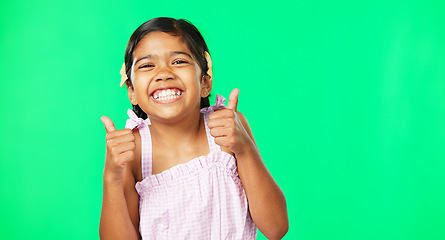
{"type": "Point", "coordinates": [233, 99]}
{"type": "Point", "coordinates": [109, 125]}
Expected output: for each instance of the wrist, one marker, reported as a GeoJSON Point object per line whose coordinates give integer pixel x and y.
{"type": "Point", "coordinates": [112, 183]}
{"type": "Point", "coordinates": [112, 179]}
{"type": "Point", "coordinates": [246, 150]}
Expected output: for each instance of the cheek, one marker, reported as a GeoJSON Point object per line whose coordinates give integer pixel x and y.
{"type": "Point", "coordinates": [141, 78]}
{"type": "Point", "coordinates": [139, 85]}
{"type": "Point", "coordinates": [197, 83]}
{"type": "Point", "coordinates": [190, 77]}
{"type": "Point", "coordinates": [137, 77]}
{"type": "Point", "coordinates": [198, 78]}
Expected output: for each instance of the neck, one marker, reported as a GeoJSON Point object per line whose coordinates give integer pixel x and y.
{"type": "Point", "coordinates": [177, 132]}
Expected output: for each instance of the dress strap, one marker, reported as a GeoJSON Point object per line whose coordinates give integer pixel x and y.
{"type": "Point", "coordinates": [219, 104]}
{"type": "Point", "coordinates": [146, 146]}
{"type": "Point", "coordinates": [210, 139]}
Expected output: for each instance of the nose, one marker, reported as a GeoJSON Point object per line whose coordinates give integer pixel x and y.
{"type": "Point", "coordinates": [164, 74]}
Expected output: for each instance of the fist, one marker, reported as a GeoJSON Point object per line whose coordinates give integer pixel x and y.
{"type": "Point", "coordinates": [227, 128]}
{"type": "Point", "coordinates": [120, 149]}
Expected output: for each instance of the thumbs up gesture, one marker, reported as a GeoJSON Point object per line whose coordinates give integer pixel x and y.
{"type": "Point", "coordinates": [121, 148]}
{"type": "Point", "coordinates": [227, 128]}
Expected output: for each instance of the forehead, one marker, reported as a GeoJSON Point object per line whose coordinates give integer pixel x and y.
{"type": "Point", "coordinates": [160, 43]}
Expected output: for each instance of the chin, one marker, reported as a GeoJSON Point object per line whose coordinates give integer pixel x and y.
{"type": "Point", "coordinates": [169, 115]}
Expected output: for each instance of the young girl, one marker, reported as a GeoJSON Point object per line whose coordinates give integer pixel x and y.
{"type": "Point", "coordinates": [183, 169]}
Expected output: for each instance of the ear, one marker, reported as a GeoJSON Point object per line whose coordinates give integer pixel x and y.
{"type": "Point", "coordinates": [132, 95]}
{"type": "Point", "coordinates": [207, 80]}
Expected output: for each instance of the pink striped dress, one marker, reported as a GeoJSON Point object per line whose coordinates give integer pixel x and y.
{"type": "Point", "coordinates": [200, 199]}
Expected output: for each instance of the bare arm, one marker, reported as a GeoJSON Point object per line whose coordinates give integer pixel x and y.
{"type": "Point", "coordinates": [119, 217]}
{"type": "Point", "coordinates": [116, 220]}
{"type": "Point", "coordinates": [267, 204]}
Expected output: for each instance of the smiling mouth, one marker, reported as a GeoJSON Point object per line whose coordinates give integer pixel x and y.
{"type": "Point", "coordinates": [167, 95]}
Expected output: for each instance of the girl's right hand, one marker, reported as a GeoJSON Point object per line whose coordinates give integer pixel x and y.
{"type": "Point", "coordinates": [121, 148]}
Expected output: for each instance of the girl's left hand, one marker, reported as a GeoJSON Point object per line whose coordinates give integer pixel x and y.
{"type": "Point", "coordinates": [227, 128]}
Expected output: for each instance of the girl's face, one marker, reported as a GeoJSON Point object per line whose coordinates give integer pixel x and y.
{"type": "Point", "coordinates": [167, 81]}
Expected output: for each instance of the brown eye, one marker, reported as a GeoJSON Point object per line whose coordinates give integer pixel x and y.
{"type": "Point", "coordinates": [147, 66]}
{"type": "Point", "coordinates": [179, 62]}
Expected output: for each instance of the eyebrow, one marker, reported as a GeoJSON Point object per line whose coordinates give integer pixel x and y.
{"type": "Point", "coordinates": [179, 53]}
{"type": "Point", "coordinates": [142, 58]}
{"type": "Point", "coordinates": [171, 54]}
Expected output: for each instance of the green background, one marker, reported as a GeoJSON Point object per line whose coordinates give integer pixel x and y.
{"type": "Point", "coordinates": [346, 100]}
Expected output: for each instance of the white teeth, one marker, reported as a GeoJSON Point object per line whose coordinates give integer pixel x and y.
{"type": "Point", "coordinates": [167, 94]}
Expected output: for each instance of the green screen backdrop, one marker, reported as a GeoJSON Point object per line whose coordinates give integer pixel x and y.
{"type": "Point", "coordinates": [346, 100]}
